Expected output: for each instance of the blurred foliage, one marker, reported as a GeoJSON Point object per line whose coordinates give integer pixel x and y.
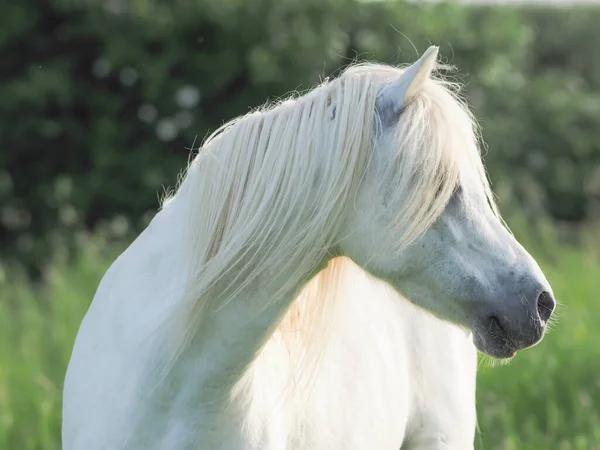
{"type": "Point", "coordinates": [102, 100]}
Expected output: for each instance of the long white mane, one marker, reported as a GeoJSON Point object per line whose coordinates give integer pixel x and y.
{"type": "Point", "coordinates": [272, 186]}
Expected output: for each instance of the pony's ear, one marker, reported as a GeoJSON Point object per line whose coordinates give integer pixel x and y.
{"type": "Point", "coordinates": [393, 97]}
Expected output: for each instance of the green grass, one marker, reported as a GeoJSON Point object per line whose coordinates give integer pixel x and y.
{"type": "Point", "coordinates": [37, 330]}
{"type": "Point", "coordinates": [546, 398]}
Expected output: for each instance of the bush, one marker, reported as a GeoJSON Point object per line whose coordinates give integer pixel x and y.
{"type": "Point", "coordinates": [101, 103]}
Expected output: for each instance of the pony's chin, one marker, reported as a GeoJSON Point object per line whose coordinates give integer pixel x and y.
{"type": "Point", "coordinates": [498, 353]}
{"type": "Point", "coordinates": [498, 347]}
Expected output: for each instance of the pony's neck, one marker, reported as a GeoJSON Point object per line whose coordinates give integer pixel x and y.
{"type": "Point", "coordinates": [225, 345]}
{"type": "Point", "coordinates": [262, 205]}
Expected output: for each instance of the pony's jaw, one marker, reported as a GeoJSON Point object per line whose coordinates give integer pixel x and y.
{"type": "Point", "coordinates": [507, 310]}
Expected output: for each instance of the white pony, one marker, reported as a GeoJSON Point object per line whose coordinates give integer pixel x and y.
{"type": "Point", "coordinates": [261, 308]}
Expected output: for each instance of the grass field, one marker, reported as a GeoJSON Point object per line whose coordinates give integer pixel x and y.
{"type": "Point", "coordinates": [546, 398]}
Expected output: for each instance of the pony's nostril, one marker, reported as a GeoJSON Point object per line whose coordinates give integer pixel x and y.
{"type": "Point", "coordinates": [545, 305]}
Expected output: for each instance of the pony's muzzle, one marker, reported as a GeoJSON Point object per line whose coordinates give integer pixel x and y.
{"type": "Point", "coordinates": [517, 324]}
{"type": "Point", "coordinates": [525, 327]}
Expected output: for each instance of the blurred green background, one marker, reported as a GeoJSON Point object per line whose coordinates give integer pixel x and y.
{"type": "Point", "coordinates": [102, 100]}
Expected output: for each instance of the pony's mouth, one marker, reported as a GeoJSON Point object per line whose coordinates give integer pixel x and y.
{"type": "Point", "coordinates": [492, 339]}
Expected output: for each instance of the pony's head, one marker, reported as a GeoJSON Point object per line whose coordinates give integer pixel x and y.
{"type": "Point", "coordinates": [381, 165]}
{"type": "Point", "coordinates": [424, 220]}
